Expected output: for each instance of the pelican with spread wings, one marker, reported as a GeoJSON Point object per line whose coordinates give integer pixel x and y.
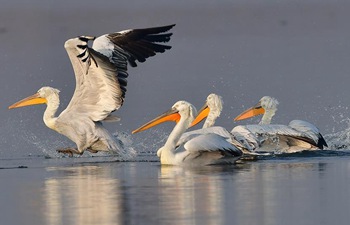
{"type": "Point", "coordinates": [101, 80]}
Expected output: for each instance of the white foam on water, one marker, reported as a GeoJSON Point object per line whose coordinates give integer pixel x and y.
{"type": "Point", "coordinates": [339, 138]}
{"type": "Point", "coordinates": [46, 147]}
{"type": "Point", "coordinates": [125, 142]}
{"type": "Point", "coordinates": [151, 141]}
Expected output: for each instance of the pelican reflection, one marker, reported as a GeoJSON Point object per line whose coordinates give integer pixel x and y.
{"type": "Point", "coordinates": [83, 195]}
{"type": "Point", "coordinates": [189, 192]}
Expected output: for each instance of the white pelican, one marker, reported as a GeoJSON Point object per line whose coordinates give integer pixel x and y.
{"type": "Point", "coordinates": [100, 74]}
{"type": "Point", "coordinates": [211, 111]}
{"type": "Point", "coordinates": [297, 136]}
{"type": "Point", "coordinates": [197, 150]}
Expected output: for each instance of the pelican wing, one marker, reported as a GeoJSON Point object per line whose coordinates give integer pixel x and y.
{"type": "Point", "coordinates": [101, 71]}
{"type": "Point", "coordinates": [185, 137]}
{"type": "Point", "coordinates": [133, 45]}
{"type": "Point", "coordinates": [246, 137]}
{"type": "Point", "coordinates": [286, 131]}
{"type": "Point", "coordinates": [211, 143]}
{"type": "Point", "coordinates": [309, 130]}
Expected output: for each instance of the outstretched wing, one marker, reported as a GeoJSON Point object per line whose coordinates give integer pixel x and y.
{"type": "Point", "coordinates": [101, 71]}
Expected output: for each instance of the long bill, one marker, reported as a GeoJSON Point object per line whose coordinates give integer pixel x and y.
{"type": "Point", "coordinates": [202, 114]}
{"type": "Point", "coordinates": [170, 115]}
{"type": "Point", "coordinates": [31, 100]}
{"type": "Point", "coordinates": [251, 112]}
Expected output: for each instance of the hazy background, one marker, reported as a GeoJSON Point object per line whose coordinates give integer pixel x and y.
{"type": "Point", "coordinates": [295, 50]}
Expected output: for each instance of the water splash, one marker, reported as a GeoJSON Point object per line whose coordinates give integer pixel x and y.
{"type": "Point", "coordinates": [47, 147]}
{"type": "Point", "coordinates": [339, 116]}
{"type": "Point", "coordinates": [144, 145]}
{"type": "Point", "coordinates": [151, 142]}
{"type": "Point", "coordinates": [125, 142]}
{"type": "Point", "coordinates": [340, 139]}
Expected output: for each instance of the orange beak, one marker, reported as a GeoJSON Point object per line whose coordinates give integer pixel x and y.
{"type": "Point", "coordinates": [202, 114]}
{"type": "Point", "coordinates": [251, 112]}
{"type": "Point", "coordinates": [31, 100]}
{"type": "Point", "coordinates": [171, 115]}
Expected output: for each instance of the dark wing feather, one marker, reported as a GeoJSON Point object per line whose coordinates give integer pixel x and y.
{"type": "Point", "coordinates": [130, 46]}
{"type": "Point", "coordinates": [131, 40]}
{"type": "Point", "coordinates": [101, 71]}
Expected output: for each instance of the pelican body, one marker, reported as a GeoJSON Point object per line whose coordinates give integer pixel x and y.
{"type": "Point", "coordinates": [197, 150]}
{"type": "Point", "coordinates": [299, 135]}
{"type": "Point", "coordinates": [101, 80]}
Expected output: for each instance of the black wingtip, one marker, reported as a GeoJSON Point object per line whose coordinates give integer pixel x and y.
{"type": "Point", "coordinates": [155, 30]}
{"type": "Point", "coordinates": [162, 29]}
{"type": "Point", "coordinates": [321, 142]}
{"type": "Point", "coordinates": [140, 44]}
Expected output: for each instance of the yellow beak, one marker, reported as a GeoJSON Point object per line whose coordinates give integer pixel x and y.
{"type": "Point", "coordinates": [31, 100]}
{"type": "Point", "coordinates": [202, 114]}
{"type": "Point", "coordinates": [253, 111]}
{"type": "Point", "coordinates": [171, 115]}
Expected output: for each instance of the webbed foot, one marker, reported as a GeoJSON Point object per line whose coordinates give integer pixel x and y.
{"type": "Point", "coordinates": [69, 151]}
{"type": "Point", "coordinates": [92, 151]}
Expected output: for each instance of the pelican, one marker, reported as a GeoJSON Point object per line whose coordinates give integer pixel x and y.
{"type": "Point", "coordinates": [100, 73]}
{"type": "Point", "coordinates": [197, 150]}
{"type": "Point", "coordinates": [211, 111]}
{"type": "Point", "coordinates": [297, 136]}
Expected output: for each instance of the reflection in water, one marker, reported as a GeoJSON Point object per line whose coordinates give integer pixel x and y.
{"type": "Point", "coordinates": [192, 195]}
{"type": "Point", "coordinates": [269, 192]}
{"type": "Point", "coordinates": [82, 195]}
{"type": "Point", "coordinates": [272, 193]}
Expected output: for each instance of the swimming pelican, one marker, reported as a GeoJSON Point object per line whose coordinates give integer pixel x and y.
{"type": "Point", "coordinates": [100, 74]}
{"type": "Point", "coordinates": [197, 150]}
{"type": "Point", "coordinates": [297, 136]}
{"type": "Point", "coordinates": [211, 111]}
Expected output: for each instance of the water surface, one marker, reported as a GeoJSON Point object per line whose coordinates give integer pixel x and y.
{"type": "Point", "coordinates": [284, 190]}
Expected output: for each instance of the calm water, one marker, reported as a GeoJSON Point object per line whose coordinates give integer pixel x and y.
{"type": "Point", "coordinates": [285, 190]}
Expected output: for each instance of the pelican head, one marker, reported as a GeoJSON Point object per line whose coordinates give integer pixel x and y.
{"type": "Point", "coordinates": [266, 105]}
{"type": "Point", "coordinates": [211, 109]}
{"type": "Point", "coordinates": [180, 109]}
{"type": "Point", "coordinates": [43, 96]}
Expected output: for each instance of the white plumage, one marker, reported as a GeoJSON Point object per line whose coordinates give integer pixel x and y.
{"type": "Point", "coordinates": [299, 135]}
{"type": "Point", "coordinates": [100, 73]}
{"type": "Point", "coordinates": [197, 149]}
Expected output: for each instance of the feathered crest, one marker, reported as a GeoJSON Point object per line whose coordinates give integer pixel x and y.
{"type": "Point", "coordinates": [268, 102]}
{"type": "Point", "coordinates": [215, 103]}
